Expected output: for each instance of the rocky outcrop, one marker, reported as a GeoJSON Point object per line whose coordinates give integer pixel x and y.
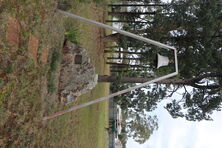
{"type": "Point", "coordinates": [77, 75]}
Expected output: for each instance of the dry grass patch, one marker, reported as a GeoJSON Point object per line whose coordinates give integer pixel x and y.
{"type": "Point", "coordinates": [33, 46]}
{"type": "Point", "coordinates": [44, 55]}
{"type": "Point", "coordinates": [13, 32]}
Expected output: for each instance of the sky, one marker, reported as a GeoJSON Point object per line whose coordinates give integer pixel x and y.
{"type": "Point", "coordinates": [179, 133]}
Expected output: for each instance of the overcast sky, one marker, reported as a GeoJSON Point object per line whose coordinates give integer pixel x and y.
{"type": "Point", "coordinates": [179, 133]}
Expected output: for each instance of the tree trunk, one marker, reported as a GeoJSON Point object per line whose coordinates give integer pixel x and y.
{"type": "Point", "coordinates": [136, 5]}
{"type": "Point", "coordinates": [189, 82]}
{"type": "Point", "coordinates": [122, 58]}
{"type": "Point", "coordinates": [123, 69]}
{"type": "Point", "coordinates": [131, 13]}
{"type": "Point", "coordinates": [125, 21]}
{"type": "Point", "coordinates": [127, 65]}
{"type": "Point", "coordinates": [128, 52]}
{"type": "Point", "coordinates": [111, 38]}
{"type": "Point", "coordinates": [105, 78]}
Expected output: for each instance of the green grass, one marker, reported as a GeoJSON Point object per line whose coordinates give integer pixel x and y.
{"type": "Point", "coordinates": [23, 88]}
{"type": "Point", "coordinates": [100, 116]}
{"type": "Point", "coordinates": [72, 35]}
{"type": "Point", "coordinates": [84, 128]}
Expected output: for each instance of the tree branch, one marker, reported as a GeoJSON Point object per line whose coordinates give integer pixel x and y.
{"type": "Point", "coordinates": [173, 91]}
{"type": "Point", "coordinates": [198, 78]}
{"type": "Point", "coordinates": [205, 86]}
{"type": "Point", "coordinates": [190, 82]}
{"type": "Point", "coordinates": [185, 89]}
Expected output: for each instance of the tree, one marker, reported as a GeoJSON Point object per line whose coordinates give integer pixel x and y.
{"type": "Point", "coordinates": [205, 97]}
{"type": "Point", "coordinates": [197, 38]}
{"type": "Point", "coordinates": [200, 55]}
{"type": "Point", "coordinates": [140, 126]}
{"type": "Point", "coordinates": [196, 82]}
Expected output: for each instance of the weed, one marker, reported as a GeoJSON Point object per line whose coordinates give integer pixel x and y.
{"type": "Point", "coordinates": [71, 35]}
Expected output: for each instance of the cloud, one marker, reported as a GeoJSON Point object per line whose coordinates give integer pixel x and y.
{"type": "Point", "coordinates": [172, 132]}
{"type": "Point", "coordinates": [179, 133]}
{"type": "Point", "coordinates": [210, 132]}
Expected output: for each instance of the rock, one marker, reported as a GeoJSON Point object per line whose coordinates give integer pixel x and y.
{"type": "Point", "coordinates": [77, 75]}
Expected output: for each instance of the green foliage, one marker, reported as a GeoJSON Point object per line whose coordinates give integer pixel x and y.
{"type": "Point", "coordinates": [200, 105]}
{"type": "Point", "coordinates": [197, 36]}
{"type": "Point", "coordinates": [72, 35]}
{"type": "Point", "coordinates": [141, 126]}
{"type": "Point", "coordinates": [138, 99]}
{"type": "Point", "coordinates": [137, 125]}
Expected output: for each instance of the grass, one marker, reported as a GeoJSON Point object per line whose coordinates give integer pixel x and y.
{"type": "Point", "coordinates": [24, 80]}
{"type": "Point", "coordinates": [21, 102]}
{"type": "Point", "coordinates": [72, 35]}
{"type": "Point", "coordinates": [84, 128]}
{"type": "Point", "coordinates": [55, 59]}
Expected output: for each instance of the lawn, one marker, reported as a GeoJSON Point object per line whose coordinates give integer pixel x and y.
{"type": "Point", "coordinates": [29, 72]}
